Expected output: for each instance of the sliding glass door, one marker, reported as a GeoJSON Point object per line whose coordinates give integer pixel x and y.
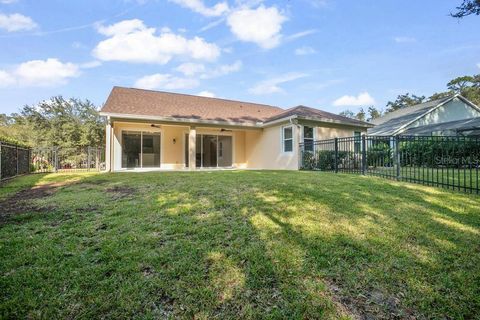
{"type": "Point", "coordinates": [131, 149]}
{"type": "Point", "coordinates": [140, 149]}
{"type": "Point", "coordinates": [211, 151]}
{"type": "Point", "coordinates": [225, 154]}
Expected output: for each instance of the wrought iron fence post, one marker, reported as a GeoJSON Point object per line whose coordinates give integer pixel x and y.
{"type": "Point", "coordinates": [300, 152]}
{"type": "Point", "coordinates": [397, 156]}
{"type": "Point", "coordinates": [364, 155]}
{"type": "Point", "coordinates": [336, 155]}
{"type": "Point", "coordinates": [55, 159]}
{"type": "Point", "coordinates": [97, 159]}
{"type": "Point", "coordinates": [88, 158]}
{"type": "Point", "coordinates": [16, 150]}
{"type": "Point", "coordinates": [0, 160]}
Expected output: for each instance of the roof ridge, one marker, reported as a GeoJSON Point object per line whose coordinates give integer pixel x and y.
{"type": "Point", "coordinates": [197, 96]}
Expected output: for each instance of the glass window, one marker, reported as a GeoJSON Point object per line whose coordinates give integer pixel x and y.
{"type": "Point", "coordinates": [225, 151]}
{"type": "Point", "coordinates": [131, 149]}
{"type": "Point", "coordinates": [150, 150]}
{"type": "Point", "coordinates": [140, 149]}
{"type": "Point", "coordinates": [308, 138]}
{"type": "Point", "coordinates": [287, 139]}
{"type": "Point", "coordinates": [211, 151]}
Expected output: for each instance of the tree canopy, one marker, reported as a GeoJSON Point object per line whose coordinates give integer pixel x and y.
{"type": "Point", "coordinates": [467, 8]}
{"type": "Point", "coordinates": [362, 115]}
{"type": "Point", "coordinates": [56, 122]}
{"type": "Point", "coordinates": [404, 101]}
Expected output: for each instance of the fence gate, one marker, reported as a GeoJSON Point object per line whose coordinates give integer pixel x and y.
{"type": "Point", "coordinates": [62, 159]}
{"type": "Point", "coordinates": [443, 161]}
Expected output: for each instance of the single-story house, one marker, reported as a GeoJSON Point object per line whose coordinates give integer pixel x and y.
{"type": "Point", "coordinates": [453, 115]}
{"type": "Point", "coordinates": [171, 131]}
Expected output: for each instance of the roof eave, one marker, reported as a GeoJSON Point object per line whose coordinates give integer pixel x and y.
{"type": "Point", "coordinates": [186, 121]}
{"type": "Point", "coordinates": [332, 121]}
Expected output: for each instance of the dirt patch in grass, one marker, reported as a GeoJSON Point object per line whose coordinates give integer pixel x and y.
{"type": "Point", "coordinates": [119, 192]}
{"type": "Point", "coordinates": [20, 202]}
{"type": "Point", "coordinates": [369, 305]}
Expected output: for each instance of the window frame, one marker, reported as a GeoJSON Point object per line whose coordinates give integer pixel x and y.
{"type": "Point", "coordinates": [312, 139]}
{"type": "Point", "coordinates": [287, 139]}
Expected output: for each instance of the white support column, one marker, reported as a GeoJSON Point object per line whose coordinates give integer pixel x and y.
{"type": "Point", "coordinates": [108, 146]}
{"type": "Point", "coordinates": [192, 144]}
{"type": "Point", "coordinates": [298, 137]}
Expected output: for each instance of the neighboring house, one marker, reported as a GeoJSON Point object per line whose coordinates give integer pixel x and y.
{"type": "Point", "coordinates": [151, 129]}
{"type": "Point", "coordinates": [453, 115]}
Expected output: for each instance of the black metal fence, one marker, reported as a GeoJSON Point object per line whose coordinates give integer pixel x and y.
{"type": "Point", "coordinates": [61, 159]}
{"type": "Point", "coordinates": [449, 162]}
{"type": "Point", "coordinates": [14, 160]}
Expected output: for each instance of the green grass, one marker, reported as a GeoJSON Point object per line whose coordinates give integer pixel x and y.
{"type": "Point", "coordinates": [238, 244]}
{"type": "Point", "coordinates": [457, 179]}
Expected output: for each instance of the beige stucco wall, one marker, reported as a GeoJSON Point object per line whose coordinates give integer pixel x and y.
{"type": "Point", "coordinates": [252, 149]}
{"type": "Point", "coordinates": [263, 150]}
{"type": "Point", "coordinates": [323, 133]}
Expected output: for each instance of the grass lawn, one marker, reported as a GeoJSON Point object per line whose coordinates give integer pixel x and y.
{"type": "Point", "coordinates": [457, 179]}
{"type": "Point", "coordinates": [236, 244]}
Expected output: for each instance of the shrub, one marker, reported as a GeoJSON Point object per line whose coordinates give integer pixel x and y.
{"type": "Point", "coordinates": [442, 152]}
{"type": "Point", "coordinates": [380, 154]}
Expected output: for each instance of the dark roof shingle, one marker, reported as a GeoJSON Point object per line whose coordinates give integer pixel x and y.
{"type": "Point", "coordinates": [139, 102]}
{"type": "Point", "coordinates": [183, 106]}
{"type": "Point", "coordinates": [307, 112]}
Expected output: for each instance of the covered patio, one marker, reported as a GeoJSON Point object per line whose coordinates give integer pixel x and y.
{"type": "Point", "coordinates": [146, 145]}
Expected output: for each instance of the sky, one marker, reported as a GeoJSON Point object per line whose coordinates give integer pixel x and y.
{"type": "Point", "coordinates": [328, 54]}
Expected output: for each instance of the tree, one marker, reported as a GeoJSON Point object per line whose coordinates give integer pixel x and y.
{"type": "Point", "coordinates": [467, 8]}
{"type": "Point", "coordinates": [56, 122]}
{"type": "Point", "coordinates": [404, 101]}
{"type": "Point", "coordinates": [348, 114]}
{"type": "Point", "coordinates": [458, 84]}
{"type": "Point", "coordinates": [473, 94]}
{"type": "Point", "coordinates": [373, 113]}
{"type": "Point", "coordinates": [467, 86]}
{"type": "Point", "coordinates": [361, 115]}
{"type": "Point", "coordinates": [440, 95]}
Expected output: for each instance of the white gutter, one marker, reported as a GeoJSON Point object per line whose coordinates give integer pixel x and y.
{"type": "Point", "coordinates": [331, 121]}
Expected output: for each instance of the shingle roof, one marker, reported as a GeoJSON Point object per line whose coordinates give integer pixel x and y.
{"type": "Point", "coordinates": [316, 114]}
{"type": "Point", "coordinates": [393, 121]}
{"type": "Point", "coordinates": [174, 105]}
{"type": "Point", "coordinates": [139, 102]}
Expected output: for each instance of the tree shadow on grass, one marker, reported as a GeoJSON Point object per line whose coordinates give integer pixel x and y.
{"type": "Point", "coordinates": [247, 245]}
{"type": "Point", "coordinates": [407, 248]}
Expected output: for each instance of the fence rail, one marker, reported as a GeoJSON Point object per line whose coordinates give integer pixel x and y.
{"type": "Point", "coordinates": [449, 162]}
{"type": "Point", "coordinates": [61, 159]}
{"type": "Point", "coordinates": [14, 160]}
